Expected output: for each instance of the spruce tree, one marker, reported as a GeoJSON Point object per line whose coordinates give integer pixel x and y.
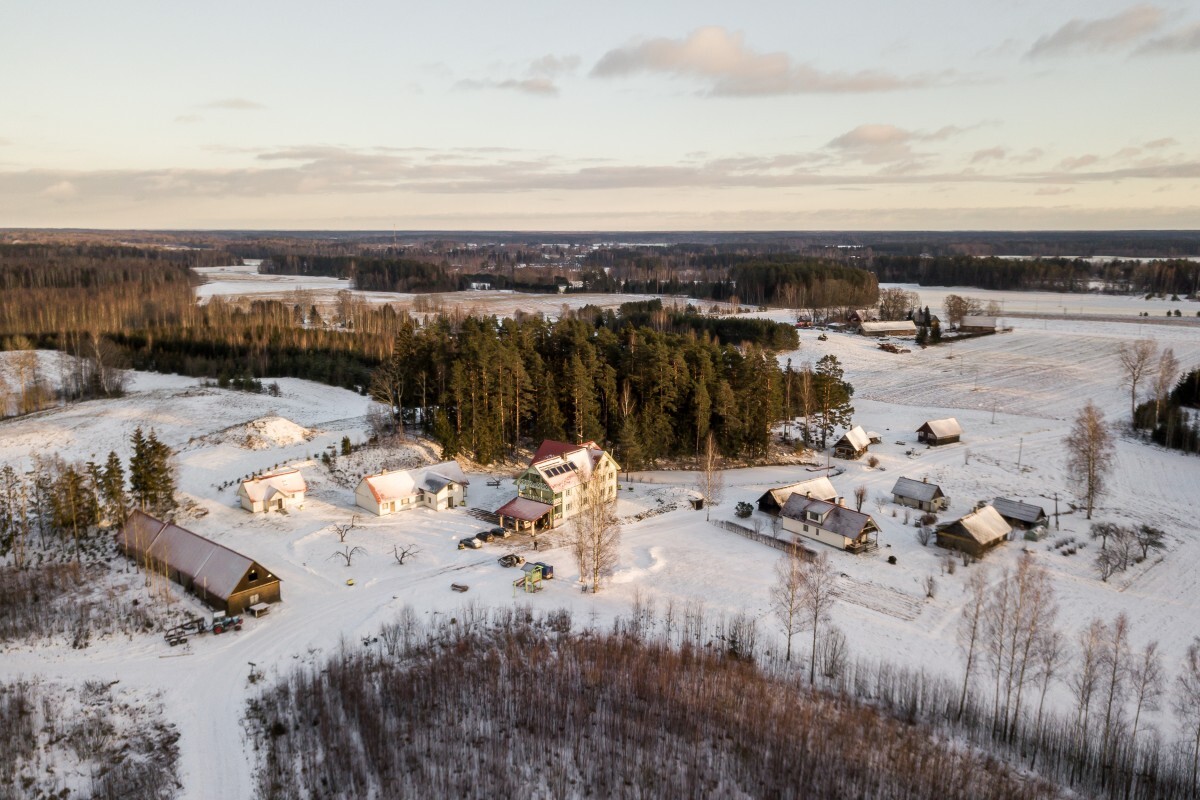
{"type": "Point", "coordinates": [140, 471]}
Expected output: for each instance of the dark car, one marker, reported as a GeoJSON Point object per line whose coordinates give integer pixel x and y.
{"type": "Point", "coordinates": [500, 533]}
{"type": "Point", "coordinates": [471, 542]}
{"type": "Point", "coordinates": [486, 536]}
{"type": "Point", "coordinates": [511, 560]}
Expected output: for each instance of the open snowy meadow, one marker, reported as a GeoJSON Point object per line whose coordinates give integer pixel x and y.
{"type": "Point", "coordinates": [1014, 393]}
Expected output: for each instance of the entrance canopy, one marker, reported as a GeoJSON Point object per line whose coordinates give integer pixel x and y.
{"type": "Point", "coordinates": [524, 509]}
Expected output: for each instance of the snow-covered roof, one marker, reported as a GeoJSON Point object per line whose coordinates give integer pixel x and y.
{"type": "Point", "coordinates": [524, 509]}
{"type": "Point", "coordinates": [1015, 509]}
{"type": "Point", "coordinates": [898, 326]}
{"type": "Point", "coordinates": [550, 447]}
{"type": "Point", "coordinates": [820, 488]}
{"type": "Point", "coordinates": [388, 486]}
{"type": "Point", "coordinates": [838, 519]}
{"type": "Point", "coordinates": [943, 427]}
{"type": "Point", "coordinates": [562, 466]}
{"type": "Point", "coordinates": [978, 322]}
{"type": "Point", "coordinates": [916, 490]}
{"type": "Point", "coordinates": [857, 438]}
{"type": "Point", "coordinates": [210, 566]}
{"type": "Point", "coordinates": [288, 482]}
{"type": "Point", "coordinates": [984, 526]}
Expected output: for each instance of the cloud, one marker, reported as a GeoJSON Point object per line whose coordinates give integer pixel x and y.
{"type": "Point", "coordinates": [1183, 40]}
{"type": "Point", "coordinates": [879, 144]}
{"type": "Point", "coordinates": [234, 104]}
{"type": "Point", "coordinates": [1078, 162]}
{"type": "Point", "coordinates": [1158, 144]}
{"type": "Point", "coordinates": [996, 153]}
{"type": "Point", "coordinates": [1052, 190]}
{"type": "Point", "coordinates": [731, 69]}
{"type": "Point", "coordinates": [552, 66]}
{"type": "Point", "coordinates": [1098, 35]}
{"type": "Point", "coordinates": [63, 190]}
{"type": "Point", "coordinates": [187, 119]}
{"type": "Point", "coordinates": [540, 76]}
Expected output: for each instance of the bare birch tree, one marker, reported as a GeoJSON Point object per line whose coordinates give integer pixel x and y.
{"type": "Point", "coordinates": [1085, 678]}
{"type": "Point", "coordinates": [817, 599]}
{"type": "Point", "coordinates": [1146, 678]}
{"type": "Point", "coordinates": [786, 596]}
{"type": "Point", "coordinates": [1089, 453]}
{"type": "Point", "coordinates": [595, 536]}
{"type": "Point", "coordinates": [1187, 702]}
{"type": "Point", "coordinates": [711, 483]}
{"type": "Point", "coordinates": [1164, 378]}
{"type": "Point", "coordinates": [1136, 358]}
{"type": "Point", "coordinates": [970, 628]}
{"type": "Point", "coordinates": [1114, 672]}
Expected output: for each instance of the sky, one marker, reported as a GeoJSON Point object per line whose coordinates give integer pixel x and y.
{"type": "Point", "coordinates": [562, 115]}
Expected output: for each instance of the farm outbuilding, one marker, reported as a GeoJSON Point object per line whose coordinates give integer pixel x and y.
{"type": "Point", "coordinates": [222, 578]}
{"type": "Point", "coordinates": [829, 523]}
{"type": "Point", "coordinates": [976, 533]}
{"type": "Point", "coordinates": [772, 501]}
{"type": "Point", "coordinates": [919, 494]}
{"type": "Point", "coordinates": [979, 325]}
{"type": "Point", "coordinates": [852, 444]}
{"type": "Point", "coordinates": [903, 327]}
{"type": "Point", "coordinates": [940, 431]}
{"type": "Point", "coordinates": [274, 491]}
{"type": "Point", "coordinates": [1020, 515]}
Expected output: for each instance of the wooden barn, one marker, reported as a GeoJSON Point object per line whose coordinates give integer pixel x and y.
{"type": "Point", "coordinates": [223, 579]}
{"type": "Point", "coordinates": [976, 533]}
{"type": "Point", "coordinates": [274, 491]}
{"type": "Point", "coordinates": [773, 500]}
{"type": "Point", "coordinates": [829, 523]}
{"type": "Point", "coordinates": [1020, 515]}
{"type": "Point", "coordinates": [940, 431]}
{"type": "Point", "coordinates": [979, 324]}
{"type": "Point", "coordinates": [852, 444]}
{"type": "Point", "coordinates": [919, 494]}
{"type": "Point", "coordinates": [902, 327]}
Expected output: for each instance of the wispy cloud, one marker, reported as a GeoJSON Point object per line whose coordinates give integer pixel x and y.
{"type": "Point", "coordinates": [1097, 35]}
{"type": "Point", "coordinates": [234, 104]}
{"type": "Point", "coordinates": [882, 144]}
{"type": "Point", "coordinates": [187, 119]}
{"type": "Point", "coordinates": [731, 68]}
{"type": "Point", "coordinates": [1182, 40]}
{"type": "Point", "coordinates": [540, 77]}
{"type": "Point", "coordinates": [996, 153]}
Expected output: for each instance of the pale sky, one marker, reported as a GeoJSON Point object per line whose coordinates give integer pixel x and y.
{"type": "Point", "coordinates": [875, 114]}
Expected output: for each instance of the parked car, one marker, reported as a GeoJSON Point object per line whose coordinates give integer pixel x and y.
{"type": "Point", "coordinates": [511, 560]}
{"type": "Point", "coordinates": [500, 533]}
{"type": "Point", "coordinates": [470, 542]}
{"type": "Point", "coordinates": [485, 536]}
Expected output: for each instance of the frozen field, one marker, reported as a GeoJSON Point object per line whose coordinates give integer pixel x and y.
{"type": "Point", "coordinates": [1014, 393]}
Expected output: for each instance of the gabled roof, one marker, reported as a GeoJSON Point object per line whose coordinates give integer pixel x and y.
{"type": "Point", "coordinates": [212, 567]}
{"type": "Point", "coordinates": [287, 482]}
{"type": "Point", "coordinates": [904, 325]}
{"type": "Point", "coordinates": [821, 488]}
{"type": "Point", "coordinates": [983, 526]}
{"type": "Point", "coordinates": [942, 428]}
{"type": "Point", "coordinates": [838, 519]}
{"type": "Point", "coordinates": [563, 465]}
{"type": "Point", "coordinates": [916, 490]}
{"type": "Point", "coordinates": [857, 438]}
{"type": "Point", "coordinates": [978, 322]}
{"type": "Point", "coordinates": [1015, 509]}
{"type": "Point", "coordinates": [523, 508]}
{"type": "Point", "coordinates": [550, 447]}
{"type": "Point", "coordinates": [388, 486]}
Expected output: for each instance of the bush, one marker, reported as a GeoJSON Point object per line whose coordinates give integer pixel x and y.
{"type": "Point", "coordinates": [743, 510]}
{"type": "Point", "coordinates": [873, 462]}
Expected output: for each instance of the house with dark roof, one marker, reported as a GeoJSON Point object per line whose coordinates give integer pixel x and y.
{"type": "Point", "coordinates": [772, 501]}
{"type": "Point", "coordinates": [853, 443]}
{"type": "Point", "coordinates": [919, 494]}
{"type": "Point", "coordinates": [222, 578]}
{"type": "Point", "coordinates": [940, 431]}
{"type": "Point", "coordinates": [976, 533]}
{"type": "Point", "coordinates": [436, 487]}
{"type": "Point", "coordinates": [1020, 515]}
{"type": "Point", "coordinates": [829, 523]}
{"type": "Point", "coordinates": [555, 484]}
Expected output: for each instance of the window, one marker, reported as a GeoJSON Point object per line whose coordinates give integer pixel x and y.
{"type": "Point", "coordinates": [253, 575]}
{"type": "Point", "coordinates": [806, 529]}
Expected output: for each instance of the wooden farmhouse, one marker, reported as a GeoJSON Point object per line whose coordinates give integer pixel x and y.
{"type": "Point", "coordinates": [940, 431]}
{"type": "Point", "coordinates": [437, 487]}
{"type": "Point", "coordinates": [919, 494]}
{"type": "Point", "coordinates": [829, 523]}
{"type": "Point", "coordinates": [552, 489]}
{"type": "Point", "coordinates": [978, 324]}
{"type": "Point", "coordinates": [976, 533]}
{"type": "Point", "coordinates": [274, 491]}
{"type": "Point", "coordinates": [901, 327]}
{"type": "Point", "coordinates": [1021, 515]}
{"type": "Point", "coordinates": [860, 315]}
{"type": "Point", "coordinates": [852, 444]}
{"type": "Point", "coordinates": [773, 500]}
{"type": "Point", "coordinates": [225, 580]}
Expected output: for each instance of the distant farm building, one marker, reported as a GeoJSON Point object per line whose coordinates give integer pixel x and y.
{"type": "Point", "coordinates": [773, 500]}
{"type": "Point", "coordinates": [940, 431]}
{"type": "Point", "coordinates": [853, 444]}
{"type": "Point", "coordinates": [830, 523]}
{"type": "Point", "coordinates": [437, 487]}
{"type": "Point", "coordinates": [976, 533]}
{"type": "Point", "coordinates": [553, 488]}
{"type": "Point", "coordinates": [1020, 515]}
{"type": "Point", "coordinates": [224, 579]}
{"type": "Point", "coordinates": [919, 494]}
{"type": "Point", "coordinates": [861, 315]}
{"type": "Point", "coordinates": [979, 325]}
{"type": "Point", "coordinates": [902, 327]}
{"type": "Point", "coordinates": [274, 491]}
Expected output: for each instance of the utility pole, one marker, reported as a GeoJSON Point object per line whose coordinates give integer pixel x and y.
{"type": "Point", "coordinates": [1056, 511]}
{"type": "Point", "coordinates": [993, 412]}
{"type": "Point", "coordinates": [1020, 447]}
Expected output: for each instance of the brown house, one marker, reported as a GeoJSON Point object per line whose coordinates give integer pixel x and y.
{"type": "Point", "coordinates": [222, 578]}
{"type": "Point", "coordinates": [940, 431]}
{"type": "Point", "coordinates": [976, 533]}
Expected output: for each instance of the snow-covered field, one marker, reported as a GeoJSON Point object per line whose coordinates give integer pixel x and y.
{"type": "Point", "coordinates": [1014, 393]}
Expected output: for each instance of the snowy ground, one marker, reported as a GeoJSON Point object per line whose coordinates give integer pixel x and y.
{"type": "Point", "coordinates": [1014, 393]}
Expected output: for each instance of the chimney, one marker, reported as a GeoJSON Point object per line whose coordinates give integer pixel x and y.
{"type": "Point", "coordinates": [841, 501]}
{"type": "Point", "coordinates": [925, 479]}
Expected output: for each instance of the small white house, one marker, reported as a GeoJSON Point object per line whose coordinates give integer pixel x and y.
{"type": "Point", "coordinates": [437, 487]}
{"type": "Point", "coordinates": [829, 523]}
{"type": "Point", "coordinates": [274, 491]}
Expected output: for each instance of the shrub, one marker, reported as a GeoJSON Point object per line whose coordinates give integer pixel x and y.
{"type": "Point", "coordinates": [743, 510]}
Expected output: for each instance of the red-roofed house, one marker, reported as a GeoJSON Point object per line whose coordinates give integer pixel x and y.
{"type": "Point", "coordinates": [556, 478]}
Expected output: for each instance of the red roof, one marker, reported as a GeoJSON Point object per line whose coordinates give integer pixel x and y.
{"type": "Point", "coordinates": [524, 509]}
{"type": "Point", "coordinates": [550, 448]}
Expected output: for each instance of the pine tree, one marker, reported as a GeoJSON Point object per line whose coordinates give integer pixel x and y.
{"type": "Point", "coordinates": [140, 470]}
{"type": "Point", "coordinates": [163, 478]}
{"type": "Point", "coordinates": [112, 490]}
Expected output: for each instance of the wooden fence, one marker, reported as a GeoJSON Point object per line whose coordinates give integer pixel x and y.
{"type": "Point", "coordinates": [763, 538]}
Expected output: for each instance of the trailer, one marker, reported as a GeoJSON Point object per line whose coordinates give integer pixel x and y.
{"type": "Point", "coordinates": [197, 626]}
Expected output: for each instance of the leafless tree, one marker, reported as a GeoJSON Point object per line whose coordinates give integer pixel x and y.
{"type": "Point", "coordinates": [860, 496]}
{"type": "Point", "coordinates": [347, 554]}
{"type": "Point", "coordinates": [930, 584]}
{"type": "Point", "coordinates": [343, 531]}
{"type": "Point", "coordinates": [834, 653]}
{"type": "Point", "coordinates": [407, 551]}
{"type": "Point", "coordinates": [711, 482]}
{"type": "Point", "coordinates": [896, 303]}
{"type": "Point", "coordinates": [1149, 538]}
{"type": "Point", "coordinates": [786, 596]}
{"type": "Point", "coordinates": [1050, 656]}
{"type": "Point", "coordinates": [1086, 677]}
{"type": "Point", "coordinates": [817, 598]}
{"type": "Point", "coordinates": [1164, 380]}
{"type": "Point", "coordinates": [957, 307]}
{"type": "Point", "coordinates": [1187, 701]}
{"type": "Point", "coordinates": [1089, 453]}
{"type": "Point", "coordinates": [1146, 678]}
{"type": "Point", "coordinates": [1014, 627]}
{"type": "Point", "coordinates": [924, 535]}
{"type": "Point", "coordinates": [595, 534]}
{"type": "Point", "coordinates": [1136, 358]}
{"type": "Point", "coordinates": [1114, 673]}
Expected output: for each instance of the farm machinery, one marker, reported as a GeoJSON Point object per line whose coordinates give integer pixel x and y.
{"type": "Point", "coordinates": [199, 625]}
